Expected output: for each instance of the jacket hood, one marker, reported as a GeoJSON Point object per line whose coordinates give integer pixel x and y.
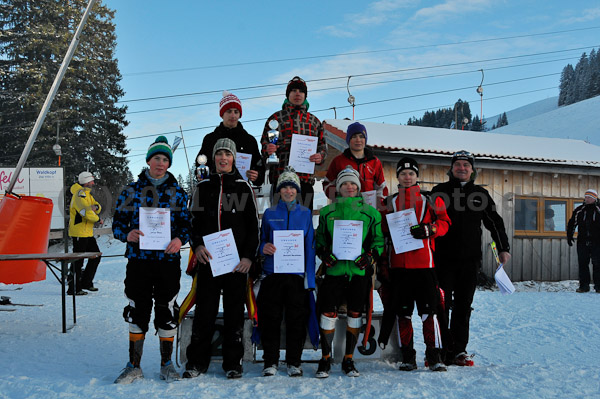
{"type": "Point", "coordinates": [75, 188]}
{"type": "Point", "coordinates": [143, 178]}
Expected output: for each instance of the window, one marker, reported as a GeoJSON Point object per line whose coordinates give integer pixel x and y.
{"type": "Point", "coordinates": [543, 216]}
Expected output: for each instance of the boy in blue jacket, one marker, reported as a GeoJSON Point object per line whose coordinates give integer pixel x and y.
{"type": "Point", "coordinates": [281, 292]}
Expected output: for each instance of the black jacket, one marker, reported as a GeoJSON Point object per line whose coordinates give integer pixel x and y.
{"type": "Point", "coordinates": [244, 143]}
{"type": "Point", "coordinates": [222, 202]}
{"type": "Point", "coordinates": [586, 218]}
{"type": "Point", "coordinates": [467, 207]}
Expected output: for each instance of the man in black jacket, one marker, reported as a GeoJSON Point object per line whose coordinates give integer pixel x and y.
{"type": "Point", "coordinates": [230, 109]}
{"type": "Point", "coordinates": [586, 218]}
{"type": "Point", "coordinates": [458, 254]}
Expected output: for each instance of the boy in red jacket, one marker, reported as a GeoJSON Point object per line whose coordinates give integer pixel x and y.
{"type": "Point", "coordinates": [412, 276]}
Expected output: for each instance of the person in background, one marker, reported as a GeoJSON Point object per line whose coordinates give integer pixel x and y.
{"type": "Point", "coordinates": [230, 110]}
{"type": "Point", "coordinates": [294, 118]}
{"type": "Point", "coordinates": [346, 281]}
{"type": "Point", "coordinates": [586, 218]}
{"type": "Point", "coordinates": [152, 274]}
{"type": "Point", "coordinates": [285, 293]}
{"type": "Point", "coordinates": [412, 273]}
{"type": "Point", "coordinates": [84, 212]}
{"type": "Point", "coordinates": [361, 158]}
{"type": "Point", "coordinates": [458, 253]}
{"type": "Point", "coordinates": [223, 201]}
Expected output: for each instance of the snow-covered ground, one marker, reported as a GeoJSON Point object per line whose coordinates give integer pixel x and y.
{"type": "Point", "coordinates": [541, 119]}
{"type": "Point", "coordinates": [541, 342]}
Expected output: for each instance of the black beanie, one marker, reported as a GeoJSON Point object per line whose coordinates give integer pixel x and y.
{"type": "Point", "coordinates": [296, 83]}
{"type": "Point", "coordinates": [407, 163]}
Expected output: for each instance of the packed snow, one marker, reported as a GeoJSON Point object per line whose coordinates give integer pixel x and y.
{"type": "Point", "coordinates": [540, 119]}
{"type": "Point", "coordinates": [543, 341]}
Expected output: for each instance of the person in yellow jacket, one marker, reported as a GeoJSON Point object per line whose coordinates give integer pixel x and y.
{"type": "Point", "coordinates": [84, 213]}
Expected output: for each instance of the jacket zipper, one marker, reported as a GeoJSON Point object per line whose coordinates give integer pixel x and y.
{"type": "Point", "coordinates": [220, 204]}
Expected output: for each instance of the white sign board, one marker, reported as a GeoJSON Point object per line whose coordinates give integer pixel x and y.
{"type": "Point", "coordinates": [39, 182]}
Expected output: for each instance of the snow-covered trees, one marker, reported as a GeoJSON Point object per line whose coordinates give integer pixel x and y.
{"type": "Point", "coordinates": [34, 37]}
{"type": "Point", "coordinates": [581, 82]}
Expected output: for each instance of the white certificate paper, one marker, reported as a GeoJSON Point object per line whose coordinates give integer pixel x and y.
{"type": "Point", "coordinates": [223, 250]}
{"type": "Point", "coordinates": [289, 256]}
{"type": "Point", "coordinates": [302, 148]}
{"type": "Point", "coordinates": [242, 162]}
{"type": "Point", "coordinates": [370, 197]}
{"type": "Point", "coordinates": [399, 224]}
{"type": "Point", "coordinates": [506, 286]}
{"type": "Point", "coordinates": [347, 239]}
{"type": "Point", "coordinates": [155, 223]}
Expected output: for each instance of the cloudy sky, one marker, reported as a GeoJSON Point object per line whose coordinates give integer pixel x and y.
{"type": "Point", "coordinates": [404, 57]}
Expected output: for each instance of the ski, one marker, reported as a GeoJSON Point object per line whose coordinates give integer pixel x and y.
{"type": "Point", "coordinates": [5, 300]}
{"type": "Point", "coordinates": [7, 310]}
{"type": "Point", "coordinates": [11, 289]}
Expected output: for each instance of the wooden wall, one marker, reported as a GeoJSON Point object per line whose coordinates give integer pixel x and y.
{"type": "Point", "coordinates": [539, 258]}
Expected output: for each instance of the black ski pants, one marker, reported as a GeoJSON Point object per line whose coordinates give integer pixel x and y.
{"type": "Point", "coordinates": [84, 279]}
{"type": "Point", "coordinates": [282, 296]}
{"type": "Point", "coordinates": [337, 290]}
{"type": "Point", "coordinates": [148, 281]}
{"type": "Point", "coordinates": [584, 254]}
{"type": "Point", "coordinates": [458, 280]}
{"type": "Point", "coordinates": [208, 295]}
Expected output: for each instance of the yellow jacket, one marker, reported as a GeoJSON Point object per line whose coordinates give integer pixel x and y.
{"type": "Point", "coordinates": [82, 214]}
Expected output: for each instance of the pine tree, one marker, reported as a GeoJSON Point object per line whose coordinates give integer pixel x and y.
{"type": "Point", "coordinates": [567, 80]}
{"type": "Point", "coordinates": [582, 79]}
{"type": "Point", "coordinates": [476, 125]}
{"type": "Point", "coordinates": [35, 36]}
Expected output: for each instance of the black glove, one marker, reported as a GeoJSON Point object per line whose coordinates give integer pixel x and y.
{"type": "Point", "coordinates": [364, 260]}
{"type": "Point", "coordinates": [570, 241]}
{"type": "Point", "coordinates": [423, 230]}
{"type": "Point", "coordinates": [329, 259]}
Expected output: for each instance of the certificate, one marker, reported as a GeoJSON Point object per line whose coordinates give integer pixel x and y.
{"type": "Point", "coordinates": [399, 224]}
{"type": "Point", "coordinates": [242, 162]}
{"type": "Point", "coordinates": [504, 284]}
{"type": "Point", "coordinates": [370, 197]}
{"type": "Point", "coordinates": [302, 148]}
{"type": "Point", "coordinates": [223, 250]}
{"type": "Point", "coordinates": [155, 223]}
{"type": "Point", "coordinates": [347, 239]}
{"type": "Point", "coordinates": [289, 256]}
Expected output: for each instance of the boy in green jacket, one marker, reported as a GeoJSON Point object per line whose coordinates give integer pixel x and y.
{"type": "Point", "coordinates": [348, 242]}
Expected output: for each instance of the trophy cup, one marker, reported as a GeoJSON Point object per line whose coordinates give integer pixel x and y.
{"type": "Point", "coordinates": [273, 136]}
{"type": "Point", "coordinates": [202, 170]}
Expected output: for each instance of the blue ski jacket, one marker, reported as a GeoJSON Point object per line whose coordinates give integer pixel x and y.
{"type": "Point", "coordinates": [297, 217]}
{"type": "Point", "coordinates": [142, 193]}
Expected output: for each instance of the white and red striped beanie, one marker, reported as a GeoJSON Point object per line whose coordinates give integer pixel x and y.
{"type": "Point", "coordinates": [229, 101]}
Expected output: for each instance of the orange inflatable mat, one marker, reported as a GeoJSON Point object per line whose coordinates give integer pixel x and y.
{"type": "Point", "coordinates": [24, 229]}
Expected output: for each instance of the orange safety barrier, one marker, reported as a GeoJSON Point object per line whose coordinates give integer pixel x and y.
{"type": "Point", "coordinates": [24, 229]}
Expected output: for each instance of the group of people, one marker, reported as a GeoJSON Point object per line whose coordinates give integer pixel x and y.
{"type": "Point", "coordinates": [353, 240]}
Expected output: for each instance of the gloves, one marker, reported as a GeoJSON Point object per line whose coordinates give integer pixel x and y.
{"type": "Point", "coordinates": [423, 230]}
{"type": "Point", "coordinates": [364, 260]}
{"type": "Point", "coordinates": [570, 241]}
{"type": "Point", "coordinates": [329, 259]}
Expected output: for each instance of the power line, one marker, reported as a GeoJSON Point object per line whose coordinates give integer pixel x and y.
{"type": "Point", "coordinates": [348, 106]}
{"type": "Point", "coordinates": [355, 52]}
{"type": "Point", "coordinates": [330, 78]}
{"type": "Point", "coordinates": [357, 75]}
{"type": "Point", "coordinates": [354, 85]}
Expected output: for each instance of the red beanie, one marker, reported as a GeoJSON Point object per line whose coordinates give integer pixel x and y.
{"type": "Point", "coordinates": [229, 101]}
